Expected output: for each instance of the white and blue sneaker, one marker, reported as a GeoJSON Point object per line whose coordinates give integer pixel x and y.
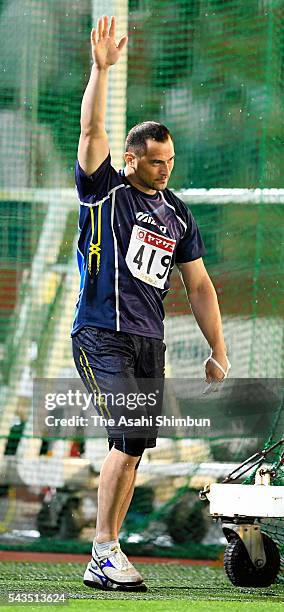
{"type": "Point", "coordinates": [116, 567]}
{"type": "Point", "coordinates": [94, 578]}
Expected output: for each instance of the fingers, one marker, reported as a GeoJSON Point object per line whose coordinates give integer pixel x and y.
{"type": "Point", "coordinates": [211, 387]}
{"type": "Point", "coordinates": [93, 36]}
{"type": "Point", "coordinates": [103, 30]}
{"type": "Point", "coordinates": [213, 374]}
{"type": "Point", "coordinates": [112, 27]}
{"type": "Point", "coordinates": [100, 28]}
{"type": "Point", "coordinates": [105, 26]}
{"type": "Point", "coordinates": [122, 43]}
{"type": "Point", "coordinates": [216, 371]}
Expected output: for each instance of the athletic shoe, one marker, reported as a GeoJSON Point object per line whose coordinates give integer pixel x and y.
{"type": "Point", "coordinates": [94, 578]}
{"type": "Point", "coordinates": [116, 567]}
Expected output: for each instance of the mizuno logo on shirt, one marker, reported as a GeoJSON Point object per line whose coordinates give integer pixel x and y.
{"type": "Point", "coordinates": [146, 218]}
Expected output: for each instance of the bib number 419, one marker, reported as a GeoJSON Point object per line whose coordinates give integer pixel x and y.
{"type": "Point", "coordinates": [149, 256]}
{"type": "Point", "coordinates": [165, 261]}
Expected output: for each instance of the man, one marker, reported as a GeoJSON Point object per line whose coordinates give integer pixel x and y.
{"type": "Point", "coordinates": [132, 231]}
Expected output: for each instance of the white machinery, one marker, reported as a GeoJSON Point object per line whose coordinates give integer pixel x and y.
{"type": "Point", "coordinates": [251, 558]}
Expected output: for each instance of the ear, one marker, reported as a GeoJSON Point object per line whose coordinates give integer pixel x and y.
{"type": "Point", "coordinates": [130, 158]}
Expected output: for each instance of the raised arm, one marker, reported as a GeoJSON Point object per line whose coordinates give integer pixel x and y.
{"type": "Point", "coordinates": [93, 143]}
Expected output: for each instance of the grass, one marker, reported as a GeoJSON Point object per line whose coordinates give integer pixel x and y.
{"type": "Point", "coordinates": [158, 606]}
{"type": "Point", "coordinates": [171, 587]}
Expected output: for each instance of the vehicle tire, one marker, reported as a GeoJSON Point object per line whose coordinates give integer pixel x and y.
{"type": "Point", "coordinates": [240, 569]}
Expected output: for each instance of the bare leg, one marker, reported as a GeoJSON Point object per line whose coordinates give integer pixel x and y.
{"type": "Point", "coordinates": [115, 489]}
{"type": "Point", "coordinates": [126, 504]}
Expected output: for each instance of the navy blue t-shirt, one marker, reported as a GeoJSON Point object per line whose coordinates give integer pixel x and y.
{"type": "Point", "coordinates": [129, 242]}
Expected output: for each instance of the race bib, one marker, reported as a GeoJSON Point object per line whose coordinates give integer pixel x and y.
{"type": "Point", "coordinates": [149, 256]}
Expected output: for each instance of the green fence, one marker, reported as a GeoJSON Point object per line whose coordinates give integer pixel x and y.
{"type": "Point", "coordinates": [212, 70]}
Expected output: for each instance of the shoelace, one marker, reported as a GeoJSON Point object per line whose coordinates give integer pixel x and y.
{"type": "Point", "coordinates": [122, 557]}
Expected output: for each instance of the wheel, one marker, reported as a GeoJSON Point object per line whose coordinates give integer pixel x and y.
{"type": "Point", "coordinates": [240, 569]}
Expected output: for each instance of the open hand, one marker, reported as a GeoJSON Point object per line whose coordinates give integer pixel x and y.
{"type": "Point", "coordinates": [105, 52]}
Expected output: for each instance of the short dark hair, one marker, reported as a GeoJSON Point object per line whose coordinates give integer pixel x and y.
{"type": "Point", "coordinates": [138, 135]}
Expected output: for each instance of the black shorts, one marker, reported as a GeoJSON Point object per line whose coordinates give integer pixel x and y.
{"type": "Point", "coordinates": [117, 361]}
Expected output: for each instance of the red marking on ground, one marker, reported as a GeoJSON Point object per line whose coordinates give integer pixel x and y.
{"type": "Point", "coordinates": [12, 555]}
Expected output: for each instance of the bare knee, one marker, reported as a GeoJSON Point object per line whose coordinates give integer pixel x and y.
{"type": "Point", "coordinates": [127, 462]}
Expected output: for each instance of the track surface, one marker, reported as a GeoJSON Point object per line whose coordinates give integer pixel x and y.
{"type": "Point", "coordinates": [33, 557]}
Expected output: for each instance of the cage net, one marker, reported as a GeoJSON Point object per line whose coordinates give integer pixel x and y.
{"type": "Point", "coordinates": [212, 71]}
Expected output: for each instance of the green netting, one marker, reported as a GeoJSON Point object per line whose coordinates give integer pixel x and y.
{"type": "Point", "coordinates": [213, 72]}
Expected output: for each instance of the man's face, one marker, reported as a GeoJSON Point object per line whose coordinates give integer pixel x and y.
{"type": "Point", "coordinates": [152, 170]}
